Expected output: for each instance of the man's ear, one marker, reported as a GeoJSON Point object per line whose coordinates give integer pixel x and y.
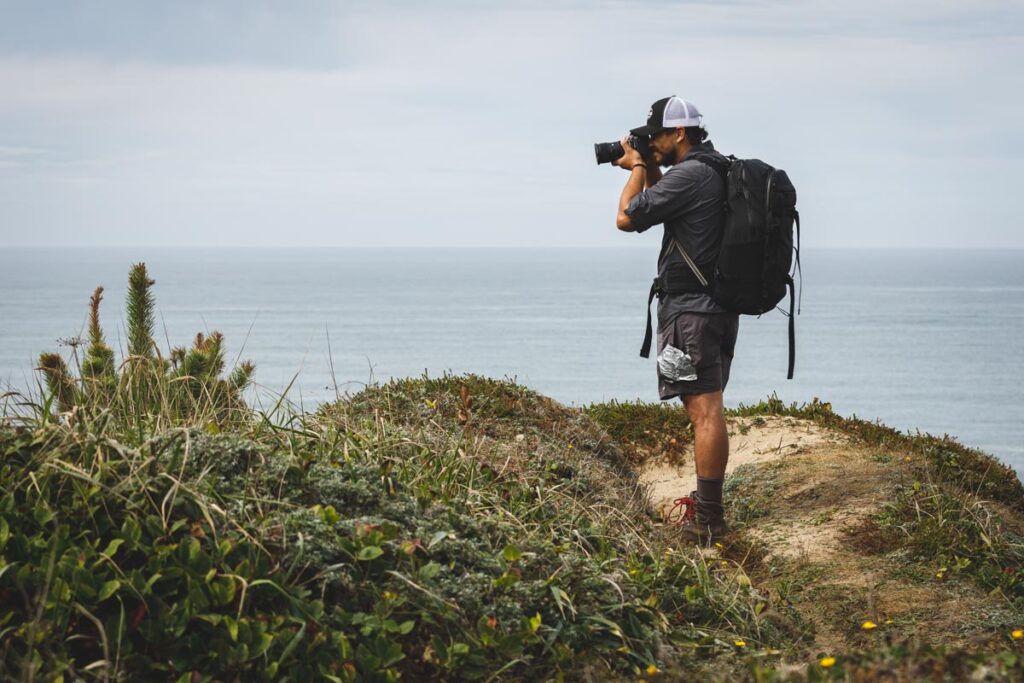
{"type": "Point", "coordinates": [680, 135]}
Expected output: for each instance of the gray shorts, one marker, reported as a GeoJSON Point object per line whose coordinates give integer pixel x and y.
{"type": "Point", "coordinates": [710, 339]}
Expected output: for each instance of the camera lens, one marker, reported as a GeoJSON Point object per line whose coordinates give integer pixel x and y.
{"type": "Point", "coordinates": [607, 152]}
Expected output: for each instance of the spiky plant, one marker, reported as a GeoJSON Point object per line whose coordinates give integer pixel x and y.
{"type": "Point", "coordinates": [149, 390]}
{"type": "Point", "coordinates": [140, 309]}
{"type": "Point", "coordinates": [59, 380]}
{"type": "Point", "coordinates": [98, 366]}
{"type": "Point", "coordinates": [241, 376]}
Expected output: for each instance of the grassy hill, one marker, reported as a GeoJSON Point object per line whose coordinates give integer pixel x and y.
{"type": "Point", "coordinates": [154, 527]}
{"type": "Point", "coordinates": [463, 528]}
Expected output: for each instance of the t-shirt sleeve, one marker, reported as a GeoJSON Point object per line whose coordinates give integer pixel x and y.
{"type": "Point", "coordinates": [669, 197]}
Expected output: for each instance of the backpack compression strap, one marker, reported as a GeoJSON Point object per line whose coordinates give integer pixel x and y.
{"type": "Point", "coordinates": [645, 349]}
{"type": "Point", "coordinates": [792, 287]}
{"type": "Point", "coordinates": [792, 329]}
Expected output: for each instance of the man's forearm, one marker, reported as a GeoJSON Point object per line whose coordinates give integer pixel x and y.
{"type": "Point", "coordinates": [634, 186]}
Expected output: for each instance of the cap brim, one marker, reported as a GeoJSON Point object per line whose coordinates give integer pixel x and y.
{"type": "Point", "coordinates": [645, 131]}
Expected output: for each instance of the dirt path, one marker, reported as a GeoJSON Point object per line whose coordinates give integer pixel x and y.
{"type": "Point", "coordinates": [801, 501]}
{"type": "Point", "coordinates": [751, 440]}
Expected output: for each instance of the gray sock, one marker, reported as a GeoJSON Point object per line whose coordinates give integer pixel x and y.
{"type": "Point", "coordinates": [710, 490]}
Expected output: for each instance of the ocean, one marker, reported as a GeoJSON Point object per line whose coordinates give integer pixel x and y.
{"type": "Point", "coordinates": [921, 340]}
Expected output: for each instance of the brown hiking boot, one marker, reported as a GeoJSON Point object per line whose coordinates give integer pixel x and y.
{"type": "Point", "coordinates": [699, 521]}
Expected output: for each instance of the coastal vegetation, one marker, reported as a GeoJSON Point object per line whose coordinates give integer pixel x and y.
{"type": "Point", "coordinates": [155, 527]}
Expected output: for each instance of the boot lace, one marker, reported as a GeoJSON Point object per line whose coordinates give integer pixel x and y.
{"type": "Point", "coordinates": [683, 510]}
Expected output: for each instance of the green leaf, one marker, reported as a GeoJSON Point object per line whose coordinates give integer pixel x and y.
{"type": "Point", "coordinates": [406, 626]}
{"type": "Point", "coordinates": [42, 515]}
{"type": "Point", "coordinates": [223, 591]}
{"type": "Point", "coordinates": [214, 619]}
{"type": "Point", "coordinates": [131, 530]}
{"type": "Point", "coordinates": [292, 644]}
{"type": "Point", "coordinates": [370, 552]}
{"type": "Point", "coordinates": [437, 538]}
{"type": "Point", "coordinates": [505, 580]}
{"type": "Point", "coordinates": [562, 600]}
{"type": "Point", "coordinates": [511, 553]}
{"type": "Point", "coordinates": [265, 642]}
{"type": "Point", "coordinates": [109, 588]}
{"type": "Point", "coordinates": [5, 532]}
{"type": "Point", "coordinates": [393, 655]}
{"type": "Point", "coordinates": [153, 579]}
{"type": "Point", "coordinates": [112, 547]}
{"type": "Point", "coordinates": [330, 515]}
{"type": "Point", "coordinates": [429, 570]}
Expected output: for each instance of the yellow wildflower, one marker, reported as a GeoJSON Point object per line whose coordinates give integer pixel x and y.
{"type": "Point", "coordinates": [868, 625]}
{"type": "Point", "coordinates": [652, 670]}
{"type": "Point", "coordinates": [1017, 634]}
{"type": "Point", "coordinates": [719, 546]}
{"type": "Point", "coordinates": [740, 643]}
{"type": "Point", "coordinates": [827, 661]}
{"type": "Point", "coordinates": [888, 621]}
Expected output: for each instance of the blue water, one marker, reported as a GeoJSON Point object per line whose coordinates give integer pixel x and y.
{"type": "Point", "coordinates": [930, 341]}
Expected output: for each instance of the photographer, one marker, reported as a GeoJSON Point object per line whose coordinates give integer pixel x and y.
{"type": "Point", "coordinates": [696, 336]}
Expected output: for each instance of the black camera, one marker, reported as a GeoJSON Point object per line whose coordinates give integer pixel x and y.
{"type": "Point", "coordinates": [607, 152]}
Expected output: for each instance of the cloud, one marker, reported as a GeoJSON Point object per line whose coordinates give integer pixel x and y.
{"type": "Point", "coordinates": [456, 125]}
{"type": "Point", "coordinates": [257, 32]}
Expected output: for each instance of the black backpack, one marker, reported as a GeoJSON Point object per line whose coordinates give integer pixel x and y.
{"type": "Point", "coordinates": [756, 262]}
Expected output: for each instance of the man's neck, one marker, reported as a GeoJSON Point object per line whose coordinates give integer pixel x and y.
{"type": "Point", "coordinates": [682, 149]}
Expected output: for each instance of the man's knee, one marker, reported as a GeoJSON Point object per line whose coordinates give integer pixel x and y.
{"type": "Point", "coordinates": [705, 409]}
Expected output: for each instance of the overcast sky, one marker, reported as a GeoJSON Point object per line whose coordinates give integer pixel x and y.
{"type": "Point", "coordinates": [467, 123]}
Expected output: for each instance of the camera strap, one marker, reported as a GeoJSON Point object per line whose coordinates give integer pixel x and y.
{"type": "Point", "coordinates": [689, 261]}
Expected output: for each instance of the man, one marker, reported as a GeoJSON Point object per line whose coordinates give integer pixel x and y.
{"type": "Point", "coordinates": [689, 198]}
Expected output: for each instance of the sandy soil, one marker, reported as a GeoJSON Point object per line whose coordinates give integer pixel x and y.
{"type": "Point", "coordinates": [751, 440]}
{"type": "Point", "coordinates": [813, 489]}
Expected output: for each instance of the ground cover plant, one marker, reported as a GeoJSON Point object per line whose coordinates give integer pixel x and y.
{"type": "Point", "coordinates": [456, 527]}
{"type": "Point", "coordinates": [152, 527]}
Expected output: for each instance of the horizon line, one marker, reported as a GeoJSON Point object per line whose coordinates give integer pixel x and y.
{"type": "Point", "coordinates": [624, 247]}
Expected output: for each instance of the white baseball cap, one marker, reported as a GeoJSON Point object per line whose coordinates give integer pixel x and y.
{"type": "Point", "coordinates": [670, 112]}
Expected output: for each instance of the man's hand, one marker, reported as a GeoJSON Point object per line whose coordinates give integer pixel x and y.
{"type": "Point", "coordinates": [631, 158]}
{"type": "Point", "coordinates": [634, 186]}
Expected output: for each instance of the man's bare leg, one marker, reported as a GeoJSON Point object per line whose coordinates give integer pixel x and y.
{"type": "Point", "coordinates": [711, 454]}
{"type": "Point", "coordinates": [711, 439]}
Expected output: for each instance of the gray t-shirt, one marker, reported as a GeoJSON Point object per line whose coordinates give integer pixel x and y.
{"type": "Point", "coordinates": [689, 199]}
